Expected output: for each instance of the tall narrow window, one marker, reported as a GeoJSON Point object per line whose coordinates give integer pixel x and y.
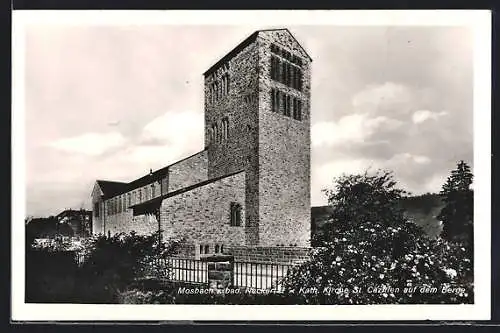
{"type": "Point", "coordinates": [153, 191]}
{"type": "Point", "coordinates": [201, 249]}
{"type": "Point", "coordinates": [289, 105]}
{"type": "Point", "coordinates": [288, 74]}
{"type": "Point", "coordinates": [225, 127]}
{"type": "Point", "coordinates": [96, 209]}
{"type": "Point", "coordinates": [140, 195]}
{"type": "Point", "coordinates": [207, 249]}
{"type": "Point", "coordinates": [273, 100]}
{"type": "Point", "coordinates": [283, 103]}
{"type": "Point", "coordinates": [216, 249]}
{"type": "Point", "coordinates": [274, 61]}
{"type": "Point", "coordinates": [280, 71]}
{"type": "Point", "coordinates": [294, 108]}
{"type": "Point", "coordinates": [278, 101]}
{"type": "Point", "coordinates": [299, 110]}
{"type": "Point", "coordinates": [235, 214]}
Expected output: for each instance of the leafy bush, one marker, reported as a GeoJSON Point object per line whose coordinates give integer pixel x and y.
{"type": "Point", "coordinates": [113, 263]}
{"type": "Point", "coordinates": [371, 254]}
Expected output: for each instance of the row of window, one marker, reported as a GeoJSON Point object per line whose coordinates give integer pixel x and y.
{"type": "Point", "coordinates": [121, 203]}
{"type": "Point", "coordinates": [205, 249]}
{"type": "Point", "coordinates": [218, 88]}
{"type": "Point", "coordinates": [294, 59]}
{"type": "Point", "coordinates": [250, 99]}
{"type": "Point", "coordinates": [286, 73]}
{"type": "Point", "coordinates": [219, 131]}
{"type": "Point", "coordinates": [286, 104]}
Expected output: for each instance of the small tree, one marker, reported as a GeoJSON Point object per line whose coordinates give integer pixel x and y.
{"type": "Point", "coordinates": [370, 246]}
{"type": "Point", "coordinates": [457, 214]}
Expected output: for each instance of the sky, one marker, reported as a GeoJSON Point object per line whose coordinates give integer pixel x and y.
{"type": "Point", "coordinates": [112, 102]}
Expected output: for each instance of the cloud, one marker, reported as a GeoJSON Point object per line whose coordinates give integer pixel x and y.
{"type": "Point", "coordinates": [404, 165]}
{"type": "Point", "coordinates": [353, 128]}
{"type": "Point", "coordinates": [181, 129]}
{"type": "Point", "coordinates": [389, 98]}
{"type": "Point", "coordinates": [407, 158]}
{"type": "Point", "coordinates": [90, 144]}
{"type": "Point", "coordinates": [423, 115]}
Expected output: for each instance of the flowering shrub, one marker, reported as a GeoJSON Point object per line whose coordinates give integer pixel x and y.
{"type": "Point", "coordinates": [371, 254]}
{"type": "Point", "coordinates": [113, 263]}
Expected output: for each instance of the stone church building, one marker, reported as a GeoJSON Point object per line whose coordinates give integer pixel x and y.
{"type": "Point", "coordinates": [249, 188]}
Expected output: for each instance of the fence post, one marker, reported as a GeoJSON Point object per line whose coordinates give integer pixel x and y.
{"type": "Point", "coordinates": [220, 271]}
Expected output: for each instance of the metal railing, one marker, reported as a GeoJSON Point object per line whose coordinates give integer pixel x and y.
{"type": "Point", "coordinates": [260, 275]}
{"type": "Point", "coordinates": [187, 270]}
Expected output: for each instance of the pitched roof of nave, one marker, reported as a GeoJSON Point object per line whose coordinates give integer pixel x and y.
{"type": "Point", "coordinates": [114, 188]}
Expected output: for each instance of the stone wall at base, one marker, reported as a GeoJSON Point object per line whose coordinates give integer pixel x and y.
{"type": "Point", "coordinates": [186, 250]}
{"type": "Point", "coordinates": [284, 255]}
{"type": "Point", "coordinates": [202, 215]}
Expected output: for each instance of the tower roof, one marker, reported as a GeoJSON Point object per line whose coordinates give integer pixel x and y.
{"type": "Point", "coordinates": [249, 40]}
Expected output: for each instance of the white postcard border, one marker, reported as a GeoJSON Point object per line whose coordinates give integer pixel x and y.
{"type": "Point", "coordinates": [479, 20]}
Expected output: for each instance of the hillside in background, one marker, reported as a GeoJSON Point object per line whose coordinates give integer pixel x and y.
{"type": "Point", "coordinates": [422, 210]}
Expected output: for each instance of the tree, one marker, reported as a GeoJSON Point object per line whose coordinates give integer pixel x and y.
{"type": "Point", "coordinates": [371, 254]}
{"type": "Point", "coordinates": [457, 214]}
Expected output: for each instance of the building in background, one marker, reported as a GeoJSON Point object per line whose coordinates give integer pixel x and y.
{"type": "Point", "coordinates": [79, 220]}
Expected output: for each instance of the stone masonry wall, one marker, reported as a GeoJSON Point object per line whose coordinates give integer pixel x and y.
{"type": "Point", "coordinates": [125, 222]}
{"type": "Point", "coordinates": [262, 254]}
{"type": "Point", "coordinates": [202, 214]}
{"type": "Point", "coordinates": [97, 221]}
{"type": "Point", "coordinates": [284, 154]}
{"type": "Point", "coordinates": [239, 150]}
{"type": "Point", "coordinates": [188, 172]}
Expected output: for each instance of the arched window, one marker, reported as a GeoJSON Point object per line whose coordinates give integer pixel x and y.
{"type": "Point", "coordinates": [235, 215]}
{"type": "Point", "coordinates": [216, 248]}
{"type": "Point", "coordinates": [153, 191]}
{"type": "Point", "coordinates": [207, 249]}
{"type": "Point", "coordinates": [223, 132]}
{"type": "Point", "coordinates": [226, 128]}
{"type": "Point", "coordinates": [222, 248]}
